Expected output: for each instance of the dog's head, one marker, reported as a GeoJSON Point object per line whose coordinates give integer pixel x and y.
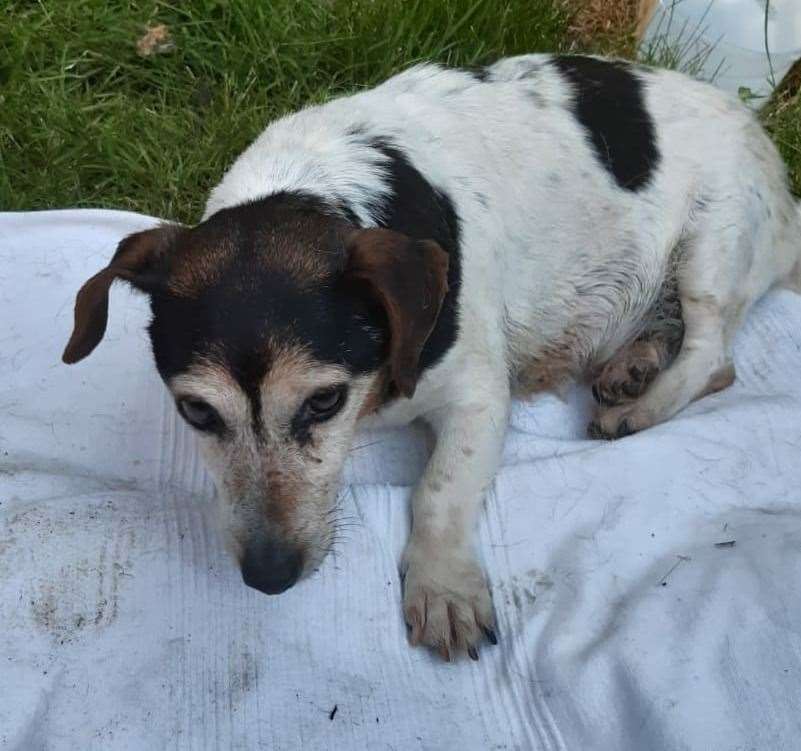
{"type": "Point", "coordinates": [276, 325]}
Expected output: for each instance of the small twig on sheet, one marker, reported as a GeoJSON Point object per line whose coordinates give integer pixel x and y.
{"type": "Point", "coordinates": [681, 559]}
{"type": "Point", "coordinates": [727, 544]}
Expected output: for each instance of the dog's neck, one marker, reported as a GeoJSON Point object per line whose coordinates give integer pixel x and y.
{"type": "Point", "coordinates": [335, 162]}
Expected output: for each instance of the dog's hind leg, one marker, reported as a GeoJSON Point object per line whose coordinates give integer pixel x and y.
{"type": "Point", "coordinates": [631, 370]}
{"type": "Point", "coordinates": [712, 305]}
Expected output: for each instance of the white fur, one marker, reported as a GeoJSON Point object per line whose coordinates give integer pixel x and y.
{"type": "Point", "coordinates": [550, 244]}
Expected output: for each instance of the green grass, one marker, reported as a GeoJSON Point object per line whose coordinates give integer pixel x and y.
{"type": "Point", "coordinates": [679, 45]}
{"type": "Point", "coordinates": [784, 125]}
{"type": "Point", "coordinates": [85, 121]}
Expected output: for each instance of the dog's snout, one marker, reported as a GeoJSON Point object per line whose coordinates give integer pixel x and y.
{"type": "Point", "coordinates": [271, 567]}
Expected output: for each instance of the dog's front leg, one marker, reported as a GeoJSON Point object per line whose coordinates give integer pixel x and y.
{"type": "Point", "coordinates": [446, 600]}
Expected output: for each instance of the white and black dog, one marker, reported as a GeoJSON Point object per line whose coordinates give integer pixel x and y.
{"type": "Point", "coordinates": [428, 249]}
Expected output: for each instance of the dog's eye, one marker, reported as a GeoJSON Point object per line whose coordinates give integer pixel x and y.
{"type": "Point", "coordinates": [326, 403]}
{"type": "Point", "coordinates": [199, 414]}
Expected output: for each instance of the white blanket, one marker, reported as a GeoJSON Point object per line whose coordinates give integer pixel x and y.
{"type": "Point", "coordinates": [647, 590]}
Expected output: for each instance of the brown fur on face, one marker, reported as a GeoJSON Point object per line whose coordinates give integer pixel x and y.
{"type": "Point", "coordinates": [204, 257]}
{"type": "Point", "coordinates": [199, 265]}
{"type": "Point", "coordinates": [284, 495]}
{"type": "Point", "coordinates": [278, 248]}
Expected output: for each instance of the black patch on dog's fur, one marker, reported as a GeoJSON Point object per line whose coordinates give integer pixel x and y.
{"type": "Point", "coordinates": [422, 212]}
{"type": "Point", "coordinates": [609, 104]}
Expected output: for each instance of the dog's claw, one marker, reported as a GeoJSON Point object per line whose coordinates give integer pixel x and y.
{"type": "Point", "coordinates": [473, 653]}
{"type": "Point", "coordinates": [623, 429]}
{"type": "Point", "coordinates": [415, 626]}
{"type": "Point", "coordinates": [491, 637]}
{"type": "Point", "coordinates": [445, 653]}
{"type": "Point", "coordinates": [601, 397]}
{"type": "Point", "coordinates": [594, 431]}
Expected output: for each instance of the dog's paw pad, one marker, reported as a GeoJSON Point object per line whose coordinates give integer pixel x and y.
{"type": "Point", "coordinates": [627, 376]}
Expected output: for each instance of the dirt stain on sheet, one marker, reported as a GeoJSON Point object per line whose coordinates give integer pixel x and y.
{"type": "Point", "coordinates": [242, 672]}
{"type": "Point", "coordinates": [524, 590]}
{"type": "Point", "coordinates": [83, 594]}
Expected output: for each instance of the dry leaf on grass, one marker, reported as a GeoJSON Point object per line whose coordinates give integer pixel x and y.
{"type": "Point", "coordinates": [786, 92]}
{"type": "Point", "coordinates": [155, 41]}
{"type": "Point", "coordinates": [615, 25]}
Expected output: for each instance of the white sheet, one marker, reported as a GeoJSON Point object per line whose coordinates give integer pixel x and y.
{"type": "Point", "coordinates": [622, 624]}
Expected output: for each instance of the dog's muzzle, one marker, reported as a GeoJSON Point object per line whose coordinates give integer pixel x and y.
{"type": "Point", "coordinates": [271, 567]}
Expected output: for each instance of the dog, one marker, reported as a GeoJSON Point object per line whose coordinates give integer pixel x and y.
{"type": "Point", "coordinates": [431, 248]}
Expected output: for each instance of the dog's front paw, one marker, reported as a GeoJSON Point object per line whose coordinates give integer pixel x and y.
{"type": "Point", "coordinates": [447, 603]}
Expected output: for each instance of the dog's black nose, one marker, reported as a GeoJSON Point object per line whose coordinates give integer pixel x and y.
{"type": "Point", "coordinates": [271, 567]}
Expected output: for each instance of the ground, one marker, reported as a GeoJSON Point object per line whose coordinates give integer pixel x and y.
{"type": "Point", "coordinates": [142, 105]}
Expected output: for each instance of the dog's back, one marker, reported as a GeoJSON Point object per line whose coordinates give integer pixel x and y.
{"type": "Point", "coordinates": [573, 180]}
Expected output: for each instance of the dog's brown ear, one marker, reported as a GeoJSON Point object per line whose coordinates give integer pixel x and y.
{"type": "Point", "coordinates": [137, 260]}
{"type": "Point", "coordinates": [410, 279]}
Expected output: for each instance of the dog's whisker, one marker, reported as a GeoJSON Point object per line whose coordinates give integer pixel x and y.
{"type": "Point", "coordinates": [367, 445]}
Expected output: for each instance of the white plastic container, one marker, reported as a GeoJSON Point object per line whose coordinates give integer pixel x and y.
{"type": "Point", "coordinates": [730, 36]}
